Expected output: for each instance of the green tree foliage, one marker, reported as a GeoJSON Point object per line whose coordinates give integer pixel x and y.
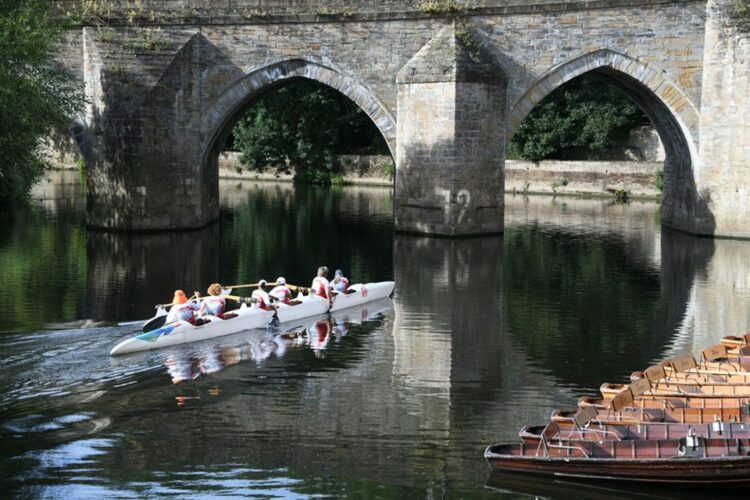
{"type": "Point", "coordinates": [36, 96]}
{"type": "Point", "coordinates": [585, 113]}
{"type": "Point", "coordinates": [302, 128]}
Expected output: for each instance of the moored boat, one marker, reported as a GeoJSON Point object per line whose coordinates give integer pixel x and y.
{"type": "Point", "coordinates": [690, 460]}
{"type": "Point", "coordinates": [249, 317]}
{"type": "Point", "coordinates": [606, 416]}
{"type": "Point", "coordinates": [706, 390]}
{"type": "Point", "coordinates": [736, 341]}
{"type": "Point", "coordinates": [658, 375]}
{"type": "Point", "coordinates": [668, 402]}
{"type": "Point", "coordinates": [532, 434]}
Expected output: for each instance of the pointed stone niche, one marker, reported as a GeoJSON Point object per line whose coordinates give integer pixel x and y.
{"type": "Point", "coordinates": [452, 108]}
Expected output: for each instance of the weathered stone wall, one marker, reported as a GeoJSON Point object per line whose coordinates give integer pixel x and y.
{"type": "Point", "coordinates": [373, 170]}
{"type": "Point", "coordinates": [723, 173]}
{"type": "Point", "coordinates": [168, 80]}
{"type": "Point", "coordinates": [582, 177]}
{"type": "Point", "coordinates": [449, 179]}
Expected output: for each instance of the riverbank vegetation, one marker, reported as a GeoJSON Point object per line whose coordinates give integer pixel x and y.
{"type": "Point", "coordinates": [587, 113]}
{"type": "Point", "coordinates": [36, 95]}
{"type": "Point", "coordinates": [303, 128]}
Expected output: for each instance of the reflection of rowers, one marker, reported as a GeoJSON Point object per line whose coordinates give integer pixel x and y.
{"type": "Point", "coordinates": [318, 336]}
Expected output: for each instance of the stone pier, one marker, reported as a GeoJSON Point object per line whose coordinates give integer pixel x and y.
{"type": "Point", "coordinates": [451, 138]}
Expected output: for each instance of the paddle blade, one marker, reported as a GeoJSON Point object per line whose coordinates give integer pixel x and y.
{"type": "Point", "coordinates": [155, 323]}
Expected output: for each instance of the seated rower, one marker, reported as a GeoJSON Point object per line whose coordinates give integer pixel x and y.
{"type": "Point", "coordinates": [215, 303]}
{"type": "Point", "coordinates": [320, 285]}
{"type": "Point", "coordinates": [281, 292]}
{"type": "Point", "coordinates": [340, 283]}
{"type": "Point", "coordinates": [261, 296]}
{"type": "Point", "coordinates": [182, 308]}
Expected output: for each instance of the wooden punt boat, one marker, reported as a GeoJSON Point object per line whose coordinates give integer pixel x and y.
{"type": "Point", "coordinates": [736, 341]}
{"type": "Point", "coordinates": [716, 359]}
{"type": "Point", "coordinates": [591, 419]}
{"type": "Point", "coordinates": [532, 434]}
{"type": "Point", "coordinates": [693, 459]}
{"type": "Point", "coordinates": [644, 393]}
{"type": "Point", "coordinates": [707, 390]}
{"type": "Point", "coordinates": [626, 407]}
{"type": "Point", "coordinates": [668, 402]}
{"type": "Point", "coordinates": [246, 318]}
{"type": "Point", "coordinates": [630, 415]}
{"type": "Point", "coordinates": [657, 375]}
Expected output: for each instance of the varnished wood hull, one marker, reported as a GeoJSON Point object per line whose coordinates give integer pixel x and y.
{"type": "Point", "coordinates": [707, 391]}
{"type": "Point", "coordinates": [669, 402]}
{"type": "Point", "coordinates": [532, 434]}
{"type": "Point", "coordinates": [742, 378]}
{"type": "Point", "coordinates": [665, 415]}
{"type": "Point", "coordinates": [683, 470]}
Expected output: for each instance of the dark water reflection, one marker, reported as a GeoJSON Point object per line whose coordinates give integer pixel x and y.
{"type": "Point", "coordinates": [395, 399]}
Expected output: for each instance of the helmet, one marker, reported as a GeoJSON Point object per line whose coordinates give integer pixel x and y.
{"type": "Point", "coordinates": [338, 272]}
{"type": "Point", "coordinates": [262, 283]}
{"type": "Point", "coordinates": [280, 280]}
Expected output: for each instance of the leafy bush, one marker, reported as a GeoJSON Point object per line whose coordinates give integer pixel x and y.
{"type": "Point", "coordinates": [303, 128]}
{"type": "Point", "coordinates": [586, 112]}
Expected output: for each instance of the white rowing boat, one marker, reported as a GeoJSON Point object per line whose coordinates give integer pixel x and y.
{"type": "Point", "coordinates": [249, 317]}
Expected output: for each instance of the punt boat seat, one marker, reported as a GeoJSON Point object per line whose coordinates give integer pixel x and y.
{"type": "Point", "coordinates": [549, 435]}
{"type": "Point", "coordinates": [682, 365]}
{"type": "Point", "coordinates": [582, 424]}
{"type": "Point", "coordinates": [624, 402]}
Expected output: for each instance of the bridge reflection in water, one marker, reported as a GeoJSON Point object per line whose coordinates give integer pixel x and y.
{"type": "Point", "coordinates": [486, 335]}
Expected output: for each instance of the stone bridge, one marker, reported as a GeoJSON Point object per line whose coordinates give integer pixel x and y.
{"type": "Point", "coordinates": [446, 82]}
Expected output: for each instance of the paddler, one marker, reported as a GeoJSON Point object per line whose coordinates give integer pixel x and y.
{"type": "Point", "coordinates": [182, 308]}
{"type": "Point", "coordinates": [320, 285]}
{"type": "Point", "coordinates": [281, 292]}
{"type": "Point", "coordinates": [340, 283]}
{"type": "Point", "coordinates": [261, 297]}
{"type": "Point", "coordinates": [215, 303]}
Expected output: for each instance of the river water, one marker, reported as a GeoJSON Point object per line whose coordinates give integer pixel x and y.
{"type": "Point", "coordinates": [396, 399]}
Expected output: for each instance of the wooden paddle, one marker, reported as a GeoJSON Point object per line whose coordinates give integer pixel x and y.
{"type": "Point", "coordinates": [253, 285]}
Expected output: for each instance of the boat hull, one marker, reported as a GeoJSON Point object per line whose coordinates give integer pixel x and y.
{"type": "Point", "coordinates": [532, 434]}
{"type": "Point", "coordinates": [683, 470]}
{"type": "Point", "coordinates": [661, 415]}
{"type": "Point", "coordinates": [704, 391]}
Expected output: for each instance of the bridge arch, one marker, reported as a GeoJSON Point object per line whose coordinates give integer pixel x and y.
{"type": "Point", "coordinates": [673, 114]}
{"type": "Point", "coordinates": [230, 106]}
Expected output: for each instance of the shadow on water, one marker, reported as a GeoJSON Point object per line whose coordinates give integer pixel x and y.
{"type": "Point", "coordinates": [564, 488]}
{"type": "Point", "coordinates": [129, 273]}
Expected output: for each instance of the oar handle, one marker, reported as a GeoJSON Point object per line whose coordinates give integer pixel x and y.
{"type": "Point", "coordinates": [253, 285]}
{"type": "Point", "coordinates": [157, 306]}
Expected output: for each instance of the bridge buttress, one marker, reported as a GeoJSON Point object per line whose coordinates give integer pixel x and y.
{"type": "Point", "coordinates": [452, 108]}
